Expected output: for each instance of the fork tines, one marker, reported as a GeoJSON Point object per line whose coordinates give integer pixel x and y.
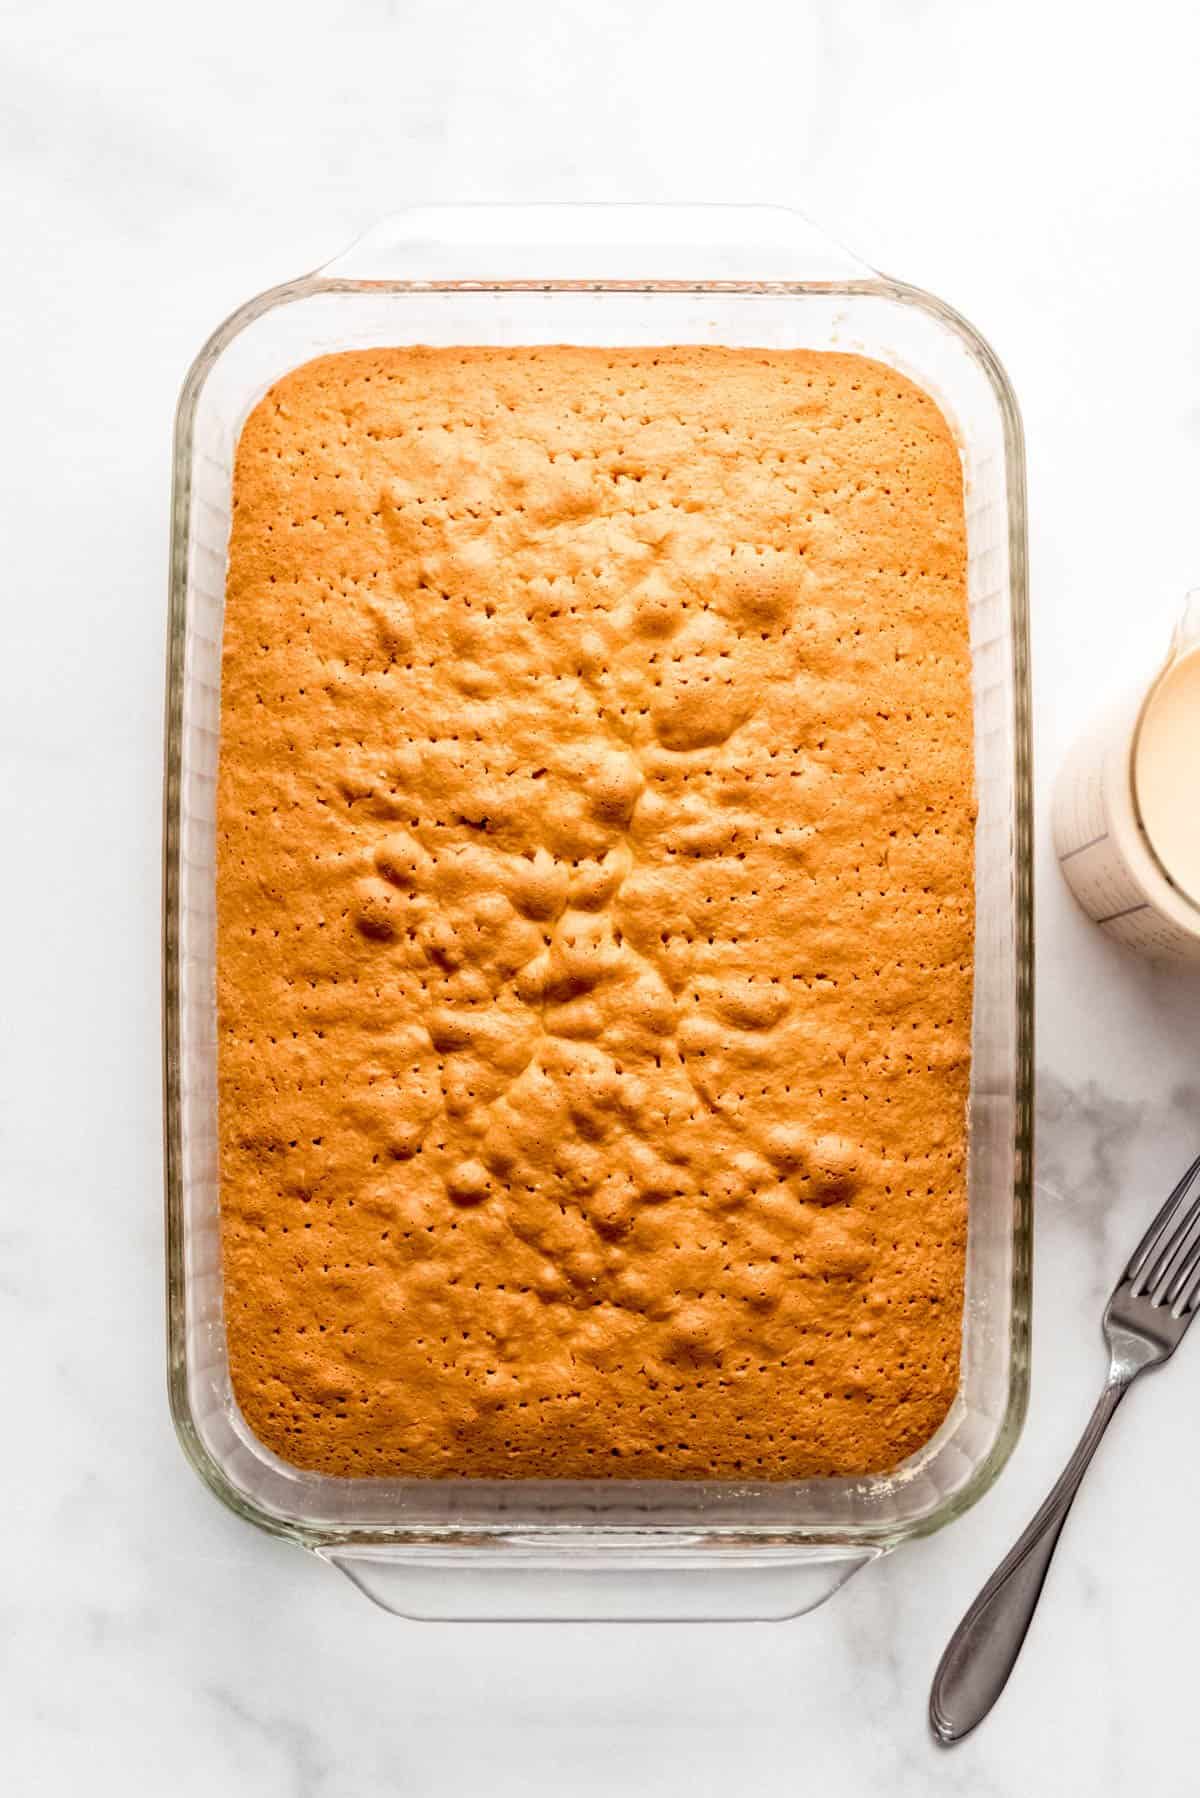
{"type": "Point", "coordinates": [1166, 1263]}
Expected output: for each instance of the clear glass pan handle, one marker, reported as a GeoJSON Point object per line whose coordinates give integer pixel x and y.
{"type": "Point", "coordinates": [490, 1587]}
{"type": "Point", "coordinates": [480, 243]}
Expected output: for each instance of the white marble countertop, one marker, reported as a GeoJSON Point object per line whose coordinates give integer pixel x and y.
{"type": "Point", "coordinates": [1037, 166]}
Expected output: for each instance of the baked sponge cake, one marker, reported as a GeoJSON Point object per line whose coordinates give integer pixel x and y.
{"type": "Point", "coordinates": [595, 910]}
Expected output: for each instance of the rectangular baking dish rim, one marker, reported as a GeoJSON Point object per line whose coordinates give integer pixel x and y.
{"type": "Point", "coordinates": [685, 1536]}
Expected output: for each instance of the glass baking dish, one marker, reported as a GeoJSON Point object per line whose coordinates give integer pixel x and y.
{"type": "Point", "coordinates": [611, 1548]}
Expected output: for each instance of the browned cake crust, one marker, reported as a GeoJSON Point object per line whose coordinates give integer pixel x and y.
{"type": "Point", "coordinates": [594, 884]}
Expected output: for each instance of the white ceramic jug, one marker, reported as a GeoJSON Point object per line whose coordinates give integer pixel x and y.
{"type": "Point", "coordinates": [1126, 809]}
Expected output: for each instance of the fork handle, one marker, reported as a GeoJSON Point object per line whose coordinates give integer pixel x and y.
{"type": "Point", "coordinates": [983, 1650]}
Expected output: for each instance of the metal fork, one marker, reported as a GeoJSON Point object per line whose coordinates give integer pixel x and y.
{"type": "Point", "coordinates": [1152, 1305]}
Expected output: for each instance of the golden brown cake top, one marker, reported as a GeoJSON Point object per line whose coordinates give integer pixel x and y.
{"type": "Point", "coordinates": [595, 914]}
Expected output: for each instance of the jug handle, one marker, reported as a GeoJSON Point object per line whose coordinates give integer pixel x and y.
{"type": "Point", "coordinates": [1186, 635]}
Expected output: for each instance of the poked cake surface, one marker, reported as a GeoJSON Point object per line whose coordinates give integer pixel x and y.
{"type": "Point", "coordinates": [595, 909]}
